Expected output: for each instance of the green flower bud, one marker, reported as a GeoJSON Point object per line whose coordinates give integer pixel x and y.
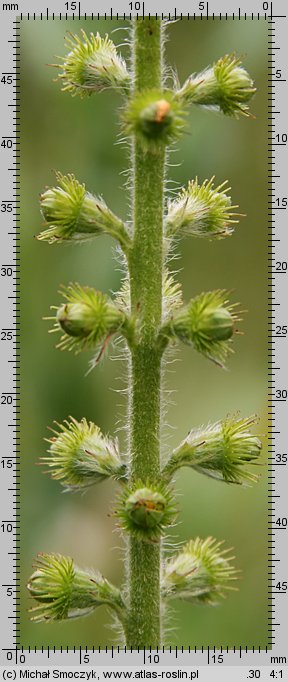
{"type": "Point", "coordinates": [146, 511]}
{"type": "Point", "coordinates": [87, 318]}
{"type": "Point", "coordinates": [92, 65]}
{"type": "Point", "coordinates": [220, 450]}
{"type": "Point", "coordinates": [218, 325]}
{"type": "Point", "coordinates": [155, 116]}
{"type": "Point", "coordinates": [64, 591]}
{"type": "Point", "coordinates": [79, 455]}
{"type": "Point", "coordinates": [226, 86]}
{"type": "Point", "coordinates": [74, 215]}
{"type": "Point", "coordinates": [207, 323]}
{"type": "Point", "coordinates": [202, 211]}
{"type": "Point", "coordinates": [200, 573]}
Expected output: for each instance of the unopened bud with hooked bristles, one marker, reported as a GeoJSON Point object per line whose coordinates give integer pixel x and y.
{"type": "Point", "coordinates": [201, 572]}
{"type": "Point", "coordinates": [207, 323]}
{"type": "Point", "coordinates": [156, 116]}
{"type": "Point", "coordinates": [146, 510]}
{"type": "Point", "coordinates": [72, 215]}
{"type": "Point", "coordinates": [201, 211]}
{"type": "Point", "coordinates": [93, 64]}
{"type": "Point", "coordinates": [226, 86]}
{"type": "Point", "coordinates": [221, 451]}
{"type": "Point", "coordinates": [80, 456]}
{"type": "Point", "coordinates": [87, 318]}
{"type": "Point", "coordinates": [63, 591]}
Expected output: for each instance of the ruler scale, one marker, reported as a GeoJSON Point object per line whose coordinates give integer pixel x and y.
{"type": "Point", "coordinates": [215, 660]}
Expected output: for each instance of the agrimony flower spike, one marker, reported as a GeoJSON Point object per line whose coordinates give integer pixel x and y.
{"type": "Point", "coordinates": [201, 211]}
{"type": "Point", "coordinates": [207, 323]}
{"type": "Point", "coordinates": [226, 86]}
{"type": "Point", "coordinates": [80, 456]}
{"type": "Point", "coordinates": [221, 451]}
{"type": "Point", "coordinates": [63, 590]}
{"type": "Point", "coordinates": [201, 573]}
{"type": "Point", "coordinates": [92, 65]}
{"type": "Point", "coordinates": [87, 318]}
{"type": "Point", "coordinates": [146, 510]}
{"type": "Point", "coordinates": [156, 116]}
{"type": "Point", "coordinates": [71, 214]}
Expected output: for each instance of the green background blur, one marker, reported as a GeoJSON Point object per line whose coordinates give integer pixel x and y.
{"type": "Point", "coordinates": [79, 136]}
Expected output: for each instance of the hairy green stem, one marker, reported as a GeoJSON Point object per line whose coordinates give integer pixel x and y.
{"type": "Point", "coordinates": [146, 269]}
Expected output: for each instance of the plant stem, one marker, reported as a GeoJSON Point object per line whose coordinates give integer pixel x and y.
{"type": "Point", "coordinates": [146, 270]}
